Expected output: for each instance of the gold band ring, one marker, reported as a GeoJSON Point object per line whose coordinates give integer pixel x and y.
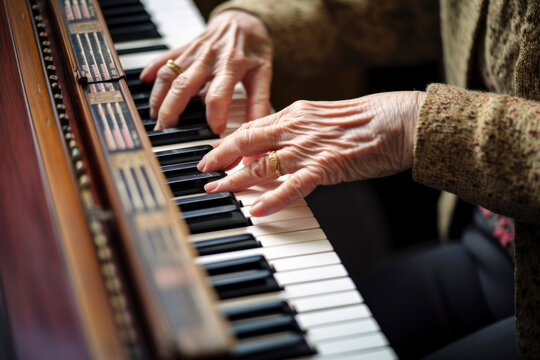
{"type": "Point", "coordinates": [274, 162]}
{"type": "Point", "coordinates": [172, 65]}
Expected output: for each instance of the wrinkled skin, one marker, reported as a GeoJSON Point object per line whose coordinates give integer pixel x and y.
{"type": "Point", "coordinates": [318, 143]}
{"type": "Point", "coordinates": [235, 46]}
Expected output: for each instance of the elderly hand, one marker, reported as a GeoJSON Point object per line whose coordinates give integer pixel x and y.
{"type": "Point", "coordinates": [319, 143]}
{"type": "Point", "coordinates": [235, 46]}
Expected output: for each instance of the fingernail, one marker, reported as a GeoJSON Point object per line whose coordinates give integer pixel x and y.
{"type": "Point", "coordinates": [222, 128]}
{"type": "Point", "coordinates": [158, 126]}
{"type": "Point", "coordinates": [211, 186]}
{"type": "Point", "coordinates": [201, 166]}
{"type": "Point", "coordinates": [257, 209]}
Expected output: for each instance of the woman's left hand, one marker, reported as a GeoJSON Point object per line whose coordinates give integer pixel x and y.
{"type": "Point", "coordinates": [318, 143]}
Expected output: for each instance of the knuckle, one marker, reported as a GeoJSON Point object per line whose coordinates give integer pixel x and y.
{"type": "Point", "coordinates": [276, 132]}
{"type": "Point", "coordinates": [299, 106]}
{"type": "Point", "coordinates": [165, 115]}
{"type": "Point", "coordinates": [243, 139]}
{"type": "Point", "coordinates": [179, 84]}
{"type": "Point", "coordinates": [217, 98]}
{"type": "Point", "coordinates": [258, 168]}
{"type": "Point", "coordinates": [165, 73]}
{"type": "Point", "coordinates": [296, 185]}
{"type": "Point", "coordinates": [209, 50]}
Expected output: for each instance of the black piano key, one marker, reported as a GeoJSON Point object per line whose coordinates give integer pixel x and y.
{"type": "Point", "coordinates": [143, 108]}
{"type": "Point", "coordinates": [136, 85]}
{"type": "Point", "coordinates": [140, 98]}
{"type": "Point", "coordinates": [124, 10]}
{"type": "Point", "coordinates": [258, 309]}
{"type": "Point", "coordinates": [207, 200]}
{"type": "Point", "coordinates": [256, 262]}
{"type": "Point", "coordinates": [192, 183]}
{"type": "Point", "coordinates": [149, 125]}
{"type": "Point", "coordinates": [202, 214]}
{"type": "Point", "coordinates": [181, 134]}
{"type": "Point", "coordinates": [215, 218]}
{"type": "Point", "coordinates": [265, 326]}
{"type": "Point", "coordinates": [136, 50]}
{"type": "Point", "coordinates": [135, 32]}
{"type": "Point", "coordinates": [245, 284]}
{"type": "Point", "coordinates": [189, 116]}
{"type": "Point", "coordinates": [176, 156]}
{"type": "Point", "coordinates": [128, 20]}
{"type": "Point", "coordinates": [226, 244]}
{"type": "Point", "coordinates": [133, 73]}
{"type": "Point", "coordinates": [107, 4]}
{"type": "Point", "coordinates": [174, 170]}
{"type": "Point", "coordinates": [280, 347]}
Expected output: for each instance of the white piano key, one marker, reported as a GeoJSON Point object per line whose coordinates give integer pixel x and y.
{"type": "Point", "coordinates": [305, 261]}
{"type": "Point", "coordinates": [248, 197]}
{"type": "Point", "coordinates": [319, 287]}
{"type": "Point", "coordinates": [138, 44]}
{"type": "Point", "coordinates": [304, 248]}
{"type": "Point", "coordinates": [291, 237]}
{"type": "Point", "coordinates": [192, 22]}
{"type": "Point", "coordinates": [249, 300]}
{"type": "Point", "coordinates": [351, 344]}
{"type": "Point", "coordinates": [260, 230]}
{"type": "Point", "coordinates": [322, 317]}
{"type": "Point", "coordinates": [326, 301]}
{"type": "Point", "coordinates": [380, 353]}
{"type": "Point", "coordinates": [184, 145]}
{"type": "Point", "coordinates": [288, 213]}
{"type": "Point", "coordinates": [293, 250]}
{"type": "Point", "coordinates": [311, 274]}
{"type": "Point", "coordinates": [342, 329]}
{"type": "Point", "coordinates": [138, 60]}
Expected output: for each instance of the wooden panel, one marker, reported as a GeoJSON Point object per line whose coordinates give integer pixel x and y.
{"type": "Point", "coordinates": [38, 301]}
{"type": "Point", "coordinates": [75, 249]}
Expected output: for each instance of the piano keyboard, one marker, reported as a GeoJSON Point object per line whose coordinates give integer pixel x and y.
{"type": "Point", "coordinates": [278, 279]}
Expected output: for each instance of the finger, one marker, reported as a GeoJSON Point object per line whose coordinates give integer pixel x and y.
{"type": "Point", "coordinates": [183, 88]}
{"type": "Point", "coordinates": [149, 72]}
{"type": "Point", "coordinates": [246, 160]}
{"type": "Point", "coordinates": [297, 186]}
{"type": "Point", "coordinates": [164, 79]}
{"type": "Point", "coordinates": [165, 76]}
{"type": "Point", "coordinates": [243, 142]}
{"type": "Point", "coordinates": [258, 172]}
{"type": "Point", "coordinates": [257, 85]}
{"type": "Point", "coordinates": [230, 68]}
{"type": "Point", "coordinates": [220, 94]}
{"type": "Point", "coordinates": [232, 165]}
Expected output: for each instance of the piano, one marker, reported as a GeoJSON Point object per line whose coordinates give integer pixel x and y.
{"type": "Point", "coordinates": [95, 260]}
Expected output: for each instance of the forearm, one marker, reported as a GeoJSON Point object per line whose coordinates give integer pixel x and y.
{"type": "Point", "coordinates": [483, 147]}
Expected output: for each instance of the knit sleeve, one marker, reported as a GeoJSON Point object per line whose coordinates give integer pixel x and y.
{"type": "Point", "coordinates": [483, 147]}
{"type": "Point", "coordinates": [312, 36]}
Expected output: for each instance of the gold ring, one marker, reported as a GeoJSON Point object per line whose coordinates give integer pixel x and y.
{"type": "Point", "coordinates": [172, 65]}
{"type": "Point", "coordinates": [274, 162]}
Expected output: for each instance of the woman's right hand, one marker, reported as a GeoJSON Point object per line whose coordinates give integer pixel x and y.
{"type": "Point", "coordinates": [234, 47]}
{"type": "Point", "coordinates": [318, 143]}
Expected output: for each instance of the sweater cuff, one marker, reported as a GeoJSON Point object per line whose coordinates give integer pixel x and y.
{"type": "Point", "coordinates": [482, 147]}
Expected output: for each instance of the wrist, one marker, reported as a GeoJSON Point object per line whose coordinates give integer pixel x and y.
{"type": "Point", "coordinates": [418, 98]}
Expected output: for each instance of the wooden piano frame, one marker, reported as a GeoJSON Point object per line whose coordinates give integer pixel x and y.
{"type": "Point", "coordinates": [64, 245]}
